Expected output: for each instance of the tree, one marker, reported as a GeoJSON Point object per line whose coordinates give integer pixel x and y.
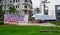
{"type": "Point", "coordinates": [12, 8]}
{"type": "Point", "coordinates": [0, 8]}
{"type": "Point", "coordinates": [37, 10]}
{"type": "Point", "coordinates": [1, 15]}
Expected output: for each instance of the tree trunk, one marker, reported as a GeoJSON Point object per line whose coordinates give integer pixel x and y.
{"type": "Point", "coordinates": [1, 18]}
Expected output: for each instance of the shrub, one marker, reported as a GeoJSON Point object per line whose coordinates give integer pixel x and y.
{"type": "Point", "coordinates": [57, 22]}
{"type": "Point", "coordinates": [1, 22]}
{"type": "Point", "coordinates": [1, 19]}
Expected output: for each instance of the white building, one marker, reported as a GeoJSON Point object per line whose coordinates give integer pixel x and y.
{"type": "Point", "coordinates": [22, 6]}
{"type": "Point", "coordinates": [52, 7]}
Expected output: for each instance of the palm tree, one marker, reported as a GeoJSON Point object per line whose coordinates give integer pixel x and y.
{"type": "Point", "coordinates": [12, 8]}
{"type": "Point", "coordinates": [37, 10]}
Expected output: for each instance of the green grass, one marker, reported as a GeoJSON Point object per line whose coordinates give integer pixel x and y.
{"type": "Point", "coordinates": [26, 30]}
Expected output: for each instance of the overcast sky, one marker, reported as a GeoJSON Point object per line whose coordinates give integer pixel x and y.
{"type": "Point", "coordinates": [36, 3]}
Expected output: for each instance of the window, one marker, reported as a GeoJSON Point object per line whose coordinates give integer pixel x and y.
{"type": "Point", "coordinates": [13, 1]}
{"type": "Point", "coordinates": [1, 1]}
{"type": "Point", "coordinates": [25, 0]}
{"type": "Point", "coordinates": [17, 6]}
{"type": "Point", "coordinates": [25, 6]}
{"type": "Point", "coordinates": [25, 12]}
{"type": "Point", "coordinates": [58, 8]}
{"type": "Point", "coordinates": [10, 1]}
{"type": "Point", "coordinates": [58, 14]}
{"type": "Point", "coordinates": [46, 12]}
{"type": "Point", "coordinates": [17, 0]}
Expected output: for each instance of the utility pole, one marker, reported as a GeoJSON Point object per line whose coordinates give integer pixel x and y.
{"type": "Point", "coordinates": [44, 2]}
{"type": "Point", "coordinates": [5, 5]}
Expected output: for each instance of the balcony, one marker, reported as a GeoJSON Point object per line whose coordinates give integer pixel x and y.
{"type": "Point", "coordinates": [28, 9]}
{"type": "Point", "coordinates": [8, 3]}
{"type": "Point", "coordinates": [27, 3]}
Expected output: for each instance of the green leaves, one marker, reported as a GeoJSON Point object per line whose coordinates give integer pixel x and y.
{"type": "Point", "coordinates": [0, 8]}
{"type": "Point", "coordinates": [12, 8]}
{"type": "Point", "coordinates": [37, 9]}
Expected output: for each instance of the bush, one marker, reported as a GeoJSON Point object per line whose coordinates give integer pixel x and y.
{"type": "Point", "coordinates": [1, 19]}
{"type": "Point", "coordinates": [1, 22]}
{"type": "Point", "coordinates": [57, 22]}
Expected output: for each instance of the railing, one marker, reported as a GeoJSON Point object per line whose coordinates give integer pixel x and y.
{"type": "Point", "coordinates": [27, 3]}
{"type": "Point", "coordinates": [26, 9]}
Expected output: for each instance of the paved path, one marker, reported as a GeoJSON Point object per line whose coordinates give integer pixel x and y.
{"type": "Point", "coordinates": [41, 24]}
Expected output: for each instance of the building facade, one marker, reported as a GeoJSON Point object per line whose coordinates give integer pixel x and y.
{"type": "Point", "coordinates": [1, 1]}
{"type": "Point", "coordinates": [22, 6]}
{"type": "Point", "coordinates": [51, 7]}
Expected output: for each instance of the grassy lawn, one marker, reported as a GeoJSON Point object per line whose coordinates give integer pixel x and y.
{"type": "Point", "coordinates": [26, 30]}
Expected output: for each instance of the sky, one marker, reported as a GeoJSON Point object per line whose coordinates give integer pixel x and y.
{"type": "Point", "coordinates": [36, 3]}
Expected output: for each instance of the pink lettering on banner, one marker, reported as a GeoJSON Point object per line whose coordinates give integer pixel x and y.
{"type": "Point", "coordinates": [14, 19]}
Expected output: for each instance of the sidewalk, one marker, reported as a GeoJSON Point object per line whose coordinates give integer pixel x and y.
{"type": "Point", "coordinates": [41, 24]}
